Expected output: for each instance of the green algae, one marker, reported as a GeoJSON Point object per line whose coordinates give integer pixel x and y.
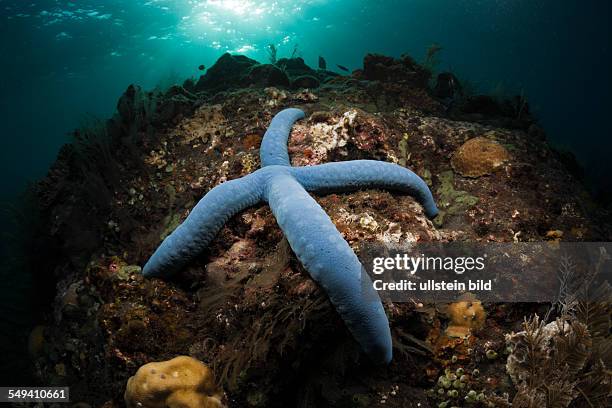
{"type": "Point", "coordinates": [451, 202]}
{"type": "Point", "coordinates": [426, 176]}
{"type": "Point", "coordinates": [171, 222]}
{"type": "Point", "coordinates": [125, 271]}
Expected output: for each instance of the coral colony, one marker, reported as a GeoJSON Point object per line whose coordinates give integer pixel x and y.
{"type": "Point", "coordinates": [310, 232]}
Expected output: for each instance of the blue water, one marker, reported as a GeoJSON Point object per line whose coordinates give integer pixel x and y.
{"type": "Point", "coordinates": [63, 59]}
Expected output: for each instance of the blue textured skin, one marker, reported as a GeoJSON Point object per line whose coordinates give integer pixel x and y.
{"type": "Point", "coordinates": [273, 148]}
{"type": "Point", "coordinates": [310, 232]}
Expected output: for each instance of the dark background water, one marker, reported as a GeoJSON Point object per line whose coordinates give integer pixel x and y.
{"type": "Point", "coordinates": [60, 60]}
{"type": "Point", "coordinates": [56, 68]}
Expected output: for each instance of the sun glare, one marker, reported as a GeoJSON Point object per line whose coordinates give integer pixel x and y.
{"type": "Point", "coordinates": [242, 26]}
{"type": "Point", "coordinates": [250, 8]}
{"type": "Point", "coordinates": [239, 7]}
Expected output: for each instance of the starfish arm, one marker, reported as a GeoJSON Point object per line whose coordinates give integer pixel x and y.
{"type": "Point", "coordinates": [203, 223]}
{"type": "Point", "coordinates": [332, 263]}
{"type": "Point", "coordinates": [273, 148]}
{"type": "Point", "coordinates": [357, 174]}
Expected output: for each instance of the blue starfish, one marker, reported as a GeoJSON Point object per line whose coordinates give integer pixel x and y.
{"type": "Point", "coordinates": [311, 234]}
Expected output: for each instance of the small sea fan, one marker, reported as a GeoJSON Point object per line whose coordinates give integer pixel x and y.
{"type": "Point", "coordinates": [567, 361]}
{"type": "Point", "coordinates": [272, 51]}
{"type": "Point", "coordinates": [571, 346]}
{"type": "Point", "coordinates": [526, 362]}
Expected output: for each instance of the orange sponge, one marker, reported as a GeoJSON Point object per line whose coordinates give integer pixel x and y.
{"type": "Point", "coordinates": [464, 316]}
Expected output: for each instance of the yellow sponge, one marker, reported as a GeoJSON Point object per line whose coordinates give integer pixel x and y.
{"type": "Point", "coordinates": [182, 382]}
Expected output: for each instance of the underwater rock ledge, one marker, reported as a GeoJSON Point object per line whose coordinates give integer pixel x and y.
{"type": "Point", "coordinates": [246, 307]}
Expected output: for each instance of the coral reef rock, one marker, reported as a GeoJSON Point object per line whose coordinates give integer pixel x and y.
{"type": "Point", "coordinates": [207, 126]}
{"type": "Point", "coordinates": [266, 75]}
{"type": "Point", "coordinates": [227, 72]}
{"type": "Point", "coordinates": [382, 68]}
{"type": "Point", "coordinates": [247, 303]}
{"type": "Point", "coordinates": [305, 81]}
{"type": "Point", "coordinates": [182, 382]}
{"type": "Point", "coordinates": [236, 71]}
{"type": "Point", "coordinates": [479, 157]}
{"type": "Point", "coordinates": [295, 67]}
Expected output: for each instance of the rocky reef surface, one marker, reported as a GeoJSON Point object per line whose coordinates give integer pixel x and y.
{"type": "Point", "coordinates": [246, 307]}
